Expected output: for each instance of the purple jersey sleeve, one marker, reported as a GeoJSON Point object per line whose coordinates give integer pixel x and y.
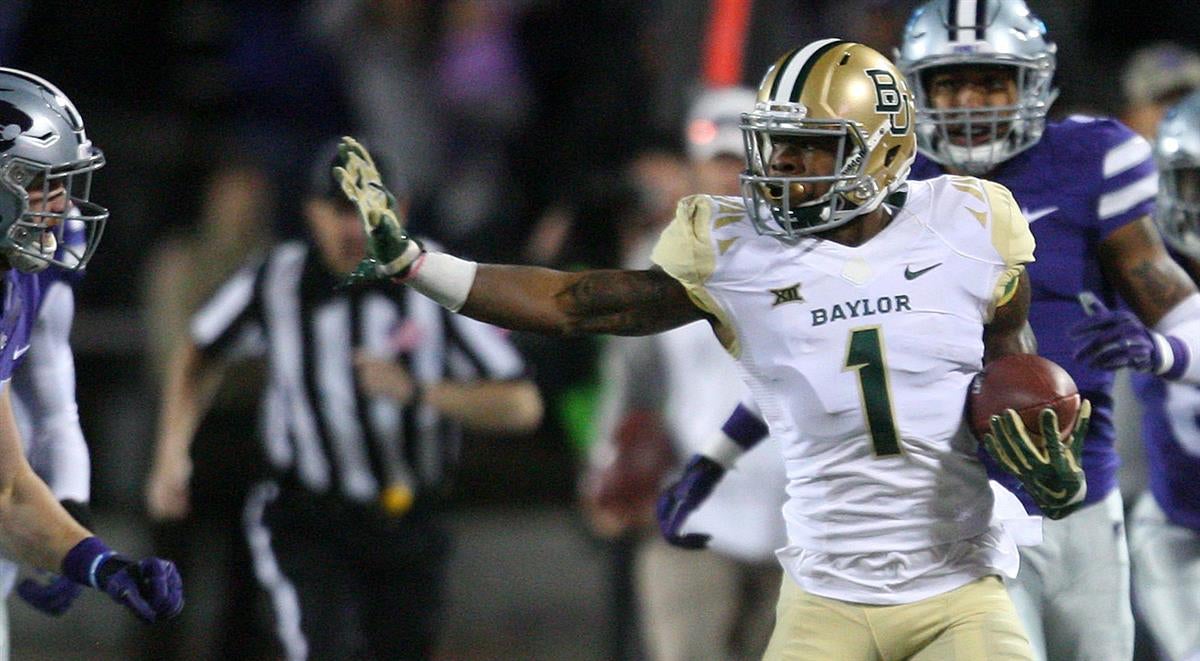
{"type": "Point", "coordinates": [1171, 434]}
{"type": "Point", "coordinates": [1114, 160]}
{"type": "Point", "coordinates": [22, 298]}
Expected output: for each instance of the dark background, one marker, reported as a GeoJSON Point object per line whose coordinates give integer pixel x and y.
{"type": "Point", "coordinates": [174, 91]}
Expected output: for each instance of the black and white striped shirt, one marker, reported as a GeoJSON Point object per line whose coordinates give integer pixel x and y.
{"type": "Point", "coordinates": [319, 428]}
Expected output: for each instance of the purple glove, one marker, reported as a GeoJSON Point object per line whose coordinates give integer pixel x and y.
{"type": "Point", "coordinates": [53, 598]}
{"type": "Point", "coordinates": [151, 587]}
{"type": "Point", "coordinates": [1115, 339]}
{"type": "Point", "coordinates": [680, 499]}
{"type": "Point", "coordinates": [1111, 340]}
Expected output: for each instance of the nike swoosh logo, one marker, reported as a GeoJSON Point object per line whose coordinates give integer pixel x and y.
{"type": "Point", "coordinates": [910, 274]}
{"type": "Point", "coordinates": [20, 352]}
{"type": "Point", "coordinates": [1031, 216]}
{"type": "Point", "coordinates": [1059, 494]}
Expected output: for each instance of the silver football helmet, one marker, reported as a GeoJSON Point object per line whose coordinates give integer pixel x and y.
{"type": "Point", "coordinates": [944, 33]}
{"type": "Point", "coordinates": [1177, 155]}
{"type": "Point", "coordinates": [46, 165]}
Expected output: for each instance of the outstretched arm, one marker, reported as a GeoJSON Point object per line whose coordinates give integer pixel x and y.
{"type": "Point", "coordinates": [564, 303]}
{"type": "Point", "coordinates": [43, 390]}
{"type": "Point", "coordinates": [518, 297]}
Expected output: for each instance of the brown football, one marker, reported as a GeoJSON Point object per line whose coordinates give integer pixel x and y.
{"type": "Point", "coordinates": [1027, 384]}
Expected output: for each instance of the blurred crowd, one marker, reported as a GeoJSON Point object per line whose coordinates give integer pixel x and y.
{"type": "Point", "coordinates": [552, 132]}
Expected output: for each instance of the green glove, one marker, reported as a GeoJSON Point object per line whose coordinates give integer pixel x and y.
{"type": "Point", "coordinates": [1052, 476]}
{"type": "Point", "coordinates": [390, 250]}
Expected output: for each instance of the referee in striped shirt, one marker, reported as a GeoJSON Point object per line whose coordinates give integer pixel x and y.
{"type": "Point", "coordinates": [358, 421]}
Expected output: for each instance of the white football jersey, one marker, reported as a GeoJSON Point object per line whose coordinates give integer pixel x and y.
{"type": "Point", "coordinates": [860, 359]}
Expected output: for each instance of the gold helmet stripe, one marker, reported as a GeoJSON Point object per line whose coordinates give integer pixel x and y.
{"type": "Point", "coordinates": [789, 80]}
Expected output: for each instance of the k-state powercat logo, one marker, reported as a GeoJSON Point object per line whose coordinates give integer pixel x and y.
{"type": "Point", "coordinates": [13, 122]}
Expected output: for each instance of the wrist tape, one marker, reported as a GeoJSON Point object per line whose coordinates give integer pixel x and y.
{"type": "Point", "coordinates": [444, 278]}
{"type": "Point", "coordinates": [1178, 340]}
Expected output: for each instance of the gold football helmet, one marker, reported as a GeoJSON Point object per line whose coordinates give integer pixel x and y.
{"type": "Point", "coordinates": [829, 88]}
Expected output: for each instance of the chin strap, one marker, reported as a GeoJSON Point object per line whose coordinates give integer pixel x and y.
{"type": "Point", "coordinates": [898, 197]}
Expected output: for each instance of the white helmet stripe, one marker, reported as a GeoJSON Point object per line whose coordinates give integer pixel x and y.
{"type": "Point", "coordinates": [966, 19]}
{"type": "Point", "coordinates": [785, 81]}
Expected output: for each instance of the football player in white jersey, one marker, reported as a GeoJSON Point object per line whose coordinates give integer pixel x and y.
{"type": "Point", "coordinates": [859, 306]}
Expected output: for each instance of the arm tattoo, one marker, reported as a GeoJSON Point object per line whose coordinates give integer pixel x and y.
{"type": "Point", "coordinates": [1134, 260]}
{"type": "Point", "coordinates": [1158, 286]}
{"type": "Point", "coordinates": [627, 303]}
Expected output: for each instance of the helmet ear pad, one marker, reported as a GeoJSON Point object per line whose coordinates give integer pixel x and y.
{"type": "Point", "coordinates": [14, 202]}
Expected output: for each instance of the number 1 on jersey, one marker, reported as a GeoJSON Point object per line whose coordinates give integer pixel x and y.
{"type": "Point", "coordinates": [865, 356]}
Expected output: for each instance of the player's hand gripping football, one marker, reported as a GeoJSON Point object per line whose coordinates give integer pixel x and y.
{"type": "Point", "coordinates": [682, 498]}
{"type": "Point", "coordinates": [1052, 475]}
{"type": "Point", "coordinates": [391, 252]}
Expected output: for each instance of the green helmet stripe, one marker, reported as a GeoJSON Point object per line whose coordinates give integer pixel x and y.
{"type": "Point", "coordinates": [783, 66]}
{"type": "Point", "coordinates": [807, 68]}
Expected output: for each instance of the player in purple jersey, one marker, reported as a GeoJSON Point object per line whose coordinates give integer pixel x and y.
{"type": "Point", "coordinates": [1164, 526]}
{"type": "Point", "coordinates": [981, 71]}
{"type": "Point", "coordinates": [43, 399]}
{"type": "Point", "coordinates": [46, 164]}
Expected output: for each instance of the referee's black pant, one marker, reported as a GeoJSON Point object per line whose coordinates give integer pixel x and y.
{"type": "Point", "coordinates": [346, 581]}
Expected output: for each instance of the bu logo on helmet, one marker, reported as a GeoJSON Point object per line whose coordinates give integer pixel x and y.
{"type": "Point", "coordinates": [889, 100]}
{"type": "Point", "coordinates": [13, 122]}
